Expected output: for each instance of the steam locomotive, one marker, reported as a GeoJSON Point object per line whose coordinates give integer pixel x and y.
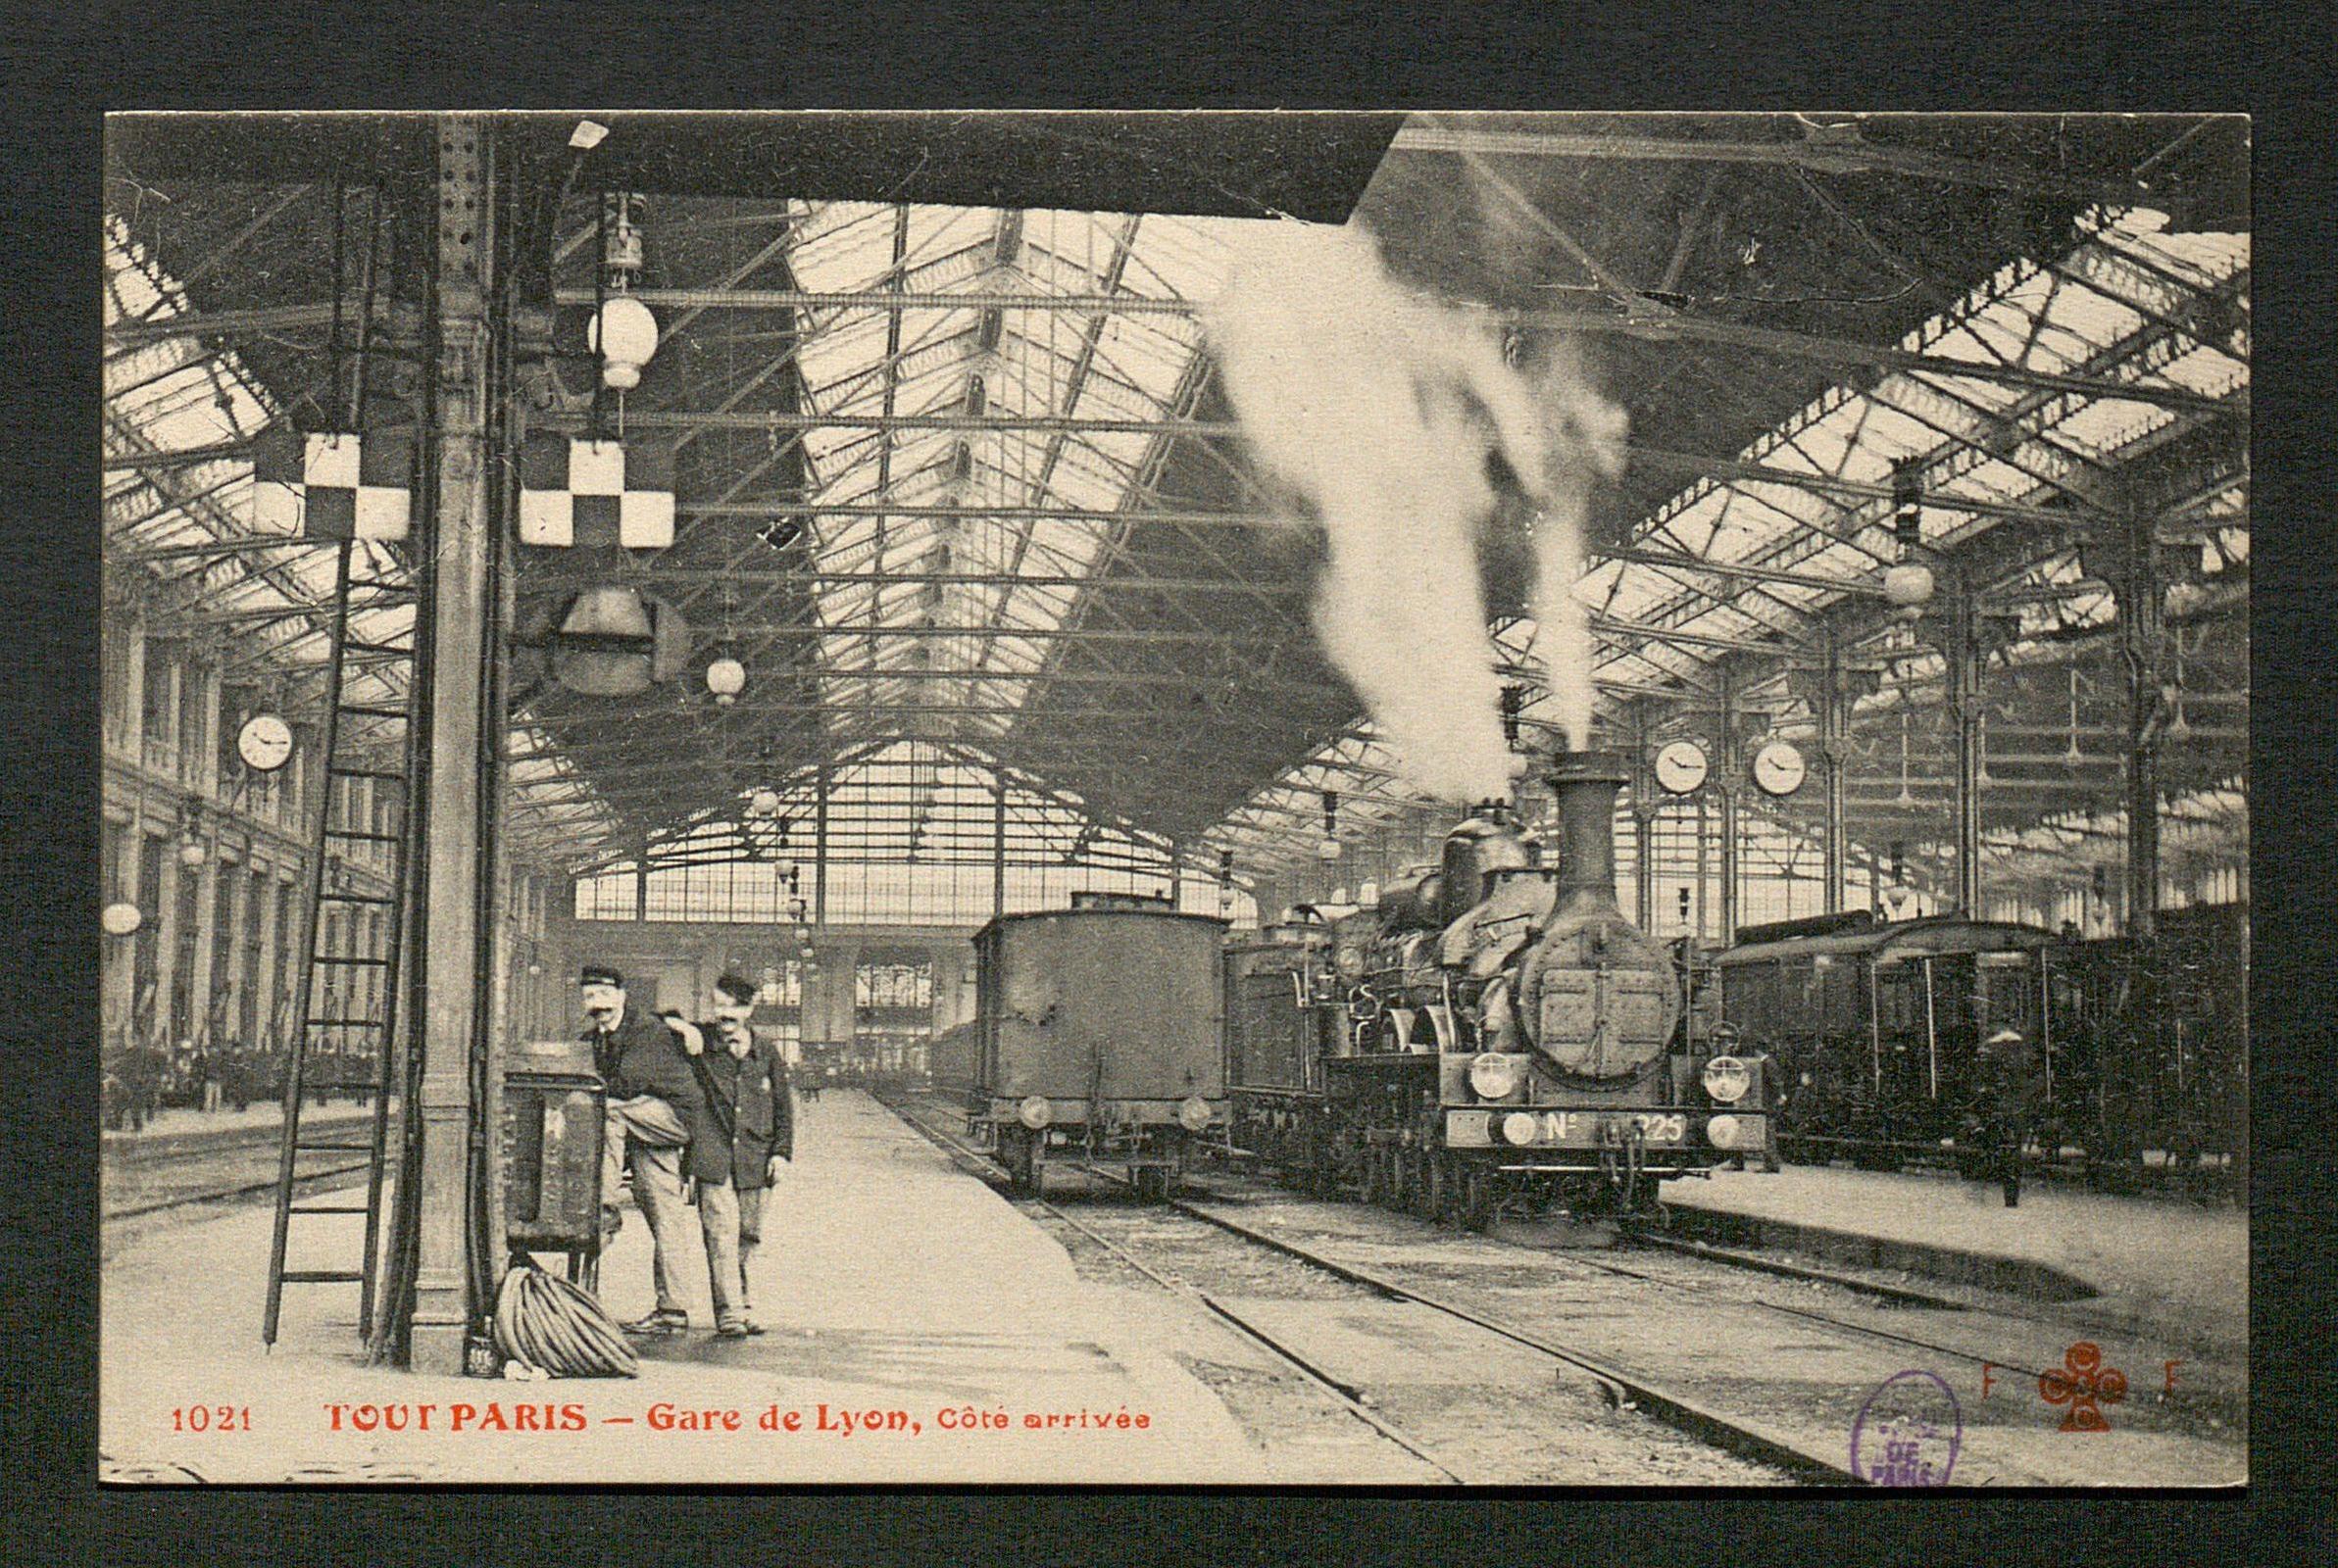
{"type": "Point", "coordinates": [1492, 1032]}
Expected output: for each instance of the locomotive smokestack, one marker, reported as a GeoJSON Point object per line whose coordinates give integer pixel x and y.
{"type": "Point", "coordinates": [1587, 783]}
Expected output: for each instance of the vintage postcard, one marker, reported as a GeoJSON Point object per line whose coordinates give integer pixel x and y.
{"type": "Point", "coordinates": [1257, 799]}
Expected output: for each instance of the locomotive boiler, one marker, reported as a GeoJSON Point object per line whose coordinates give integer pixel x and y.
{"type": "Point", "coordinates": [1505, 1035]}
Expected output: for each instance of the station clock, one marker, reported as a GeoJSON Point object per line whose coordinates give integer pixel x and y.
{"type": "Point", "coordinates": [1778, 768]}
{"type": "Point", "coordinates": [1681, 767]}
{"type": "Point", "coordinates": [264, 743]}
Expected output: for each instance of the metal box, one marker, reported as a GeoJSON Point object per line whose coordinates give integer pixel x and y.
{"type": "Point", "coordinates": [552, 1108]}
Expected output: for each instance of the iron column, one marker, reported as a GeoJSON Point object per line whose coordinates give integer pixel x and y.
{"type": "Point", "coordinates": [461, 626]}
{"type": "Point", "coordinates": [1834, 750]}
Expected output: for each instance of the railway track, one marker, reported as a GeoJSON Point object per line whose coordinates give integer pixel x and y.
{"type": "Point", "coordinates": [1621, 1387]}
{"type": "Point", "coordinates": [1789, 1389]}
{"type": "Point", "coordinates": [156, 1182]}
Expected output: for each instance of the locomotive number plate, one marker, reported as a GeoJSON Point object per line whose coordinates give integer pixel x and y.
{"type": "Point", "coordinates": [1564, 1129]}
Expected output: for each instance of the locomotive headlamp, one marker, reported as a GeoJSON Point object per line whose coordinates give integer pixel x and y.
{"type": "Point", "coordinates": [1035, 1112]}
{"type": "Point", "coordinates": [1723, 1132]}
{"type": "Point", "coordinates": [1727, 1078]}
{"type": "Point", "coordinates": [1193, 1114]}
{"type": "Point", "coordinates": [1518, 1127]}
{"type": "Point", "coordinates": [1493, 1076]}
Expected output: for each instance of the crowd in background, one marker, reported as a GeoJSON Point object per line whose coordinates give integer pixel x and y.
{"type": "Point", "coordinates": [140, 1080]}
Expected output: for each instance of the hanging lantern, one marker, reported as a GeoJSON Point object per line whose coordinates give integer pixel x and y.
{"type": "Point", "coordinates": [726, 677]}
{"type": "Point", "coordinates": [193, 856]}
{"type": "Point", "coordinates": [764, 803]}
{"type": "Point", "coordinates": [612, 642]}
{"type": "Point", "coordinates": [1328, 850]}
{"type": "Point", "coordinates": [120, 919]}
{"type": "Point", "coordinates": [625, 335]}
{"type": "Point", "coordinates": [1909, 585]}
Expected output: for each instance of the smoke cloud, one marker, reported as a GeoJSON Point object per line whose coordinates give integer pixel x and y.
{"type": "Point", "coordinates": [1380, 408]}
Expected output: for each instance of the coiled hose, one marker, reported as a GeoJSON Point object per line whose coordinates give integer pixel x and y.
{"type": "Point", "coordinates": [544, 1324]}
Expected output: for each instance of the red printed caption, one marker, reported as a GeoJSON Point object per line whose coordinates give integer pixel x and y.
{"type": "Point", "coordinates": [832, 1420]}
{"type": "Point", "coordinates": [211, 1418]}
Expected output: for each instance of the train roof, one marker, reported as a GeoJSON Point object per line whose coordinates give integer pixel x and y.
{"type": "Point", "coordinates": [1094, 911]}
{"type": "Point", "coordinates": [1937, 933]}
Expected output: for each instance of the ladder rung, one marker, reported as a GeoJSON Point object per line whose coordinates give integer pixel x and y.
{"type": "Point", "coordinates": [321, 1276]}
{"type": "Point", "coordinates": [348, 958]}
{"type": "Point", "coordinates": [354, 833]}
{"type": "Point", "coordinates": [359, 898]}
{"type": "Point", "coordinates": [329, 1208]}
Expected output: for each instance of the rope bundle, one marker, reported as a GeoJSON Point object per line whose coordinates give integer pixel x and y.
{"type": "Point", "coordinates": [545, 1323]}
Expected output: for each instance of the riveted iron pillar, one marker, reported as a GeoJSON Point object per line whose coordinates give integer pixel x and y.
{"type": "Point", "coordinates": [461, 622]}
{"type": "Point", "coordinates": [1834, 749]}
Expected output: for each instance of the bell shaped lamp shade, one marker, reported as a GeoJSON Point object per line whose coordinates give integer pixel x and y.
{"type": "Point", "coordinates": [726, 677]}
{"type": "Point", "coordinates": [625, 335]}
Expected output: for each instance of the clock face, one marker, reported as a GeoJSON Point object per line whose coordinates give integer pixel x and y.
{"type": "Point", "coordinates": [1777, 768]}
{"type": "Point", "coordinates": [264, 743]}
{"type": "Point", "coordinates": [1680, 767]}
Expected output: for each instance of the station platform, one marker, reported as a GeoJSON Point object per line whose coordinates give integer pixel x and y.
{"type": "Point", "coordinates": [176, 1129]}
{"type": "Point", "coordinates": [889, 1281]}
{"type": "Point", "coordinates": [2176, 1266]}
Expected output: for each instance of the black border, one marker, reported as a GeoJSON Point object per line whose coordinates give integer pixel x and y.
{"type": "Point", "coordinates": [68, 63]}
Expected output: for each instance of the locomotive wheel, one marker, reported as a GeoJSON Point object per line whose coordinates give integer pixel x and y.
{"type": "Point", "coordinates": [1443, 1199]}
{"type": "Point", "coordinates": [1425, 1183]}
{"type": "Point", "coordinates": [1477, 1198]}
{"type": "Point", "coordinates": [1021, 1156]}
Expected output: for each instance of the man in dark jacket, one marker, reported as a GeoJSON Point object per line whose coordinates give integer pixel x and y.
{"type": "Point", "coordinates": [755, 1123]}
{"type": "Point", "coordinates": [657, 1117]}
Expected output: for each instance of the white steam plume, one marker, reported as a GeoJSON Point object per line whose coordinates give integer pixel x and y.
{"type": "Point", "coordinates": [1586, 437]}
{"type": "Point", "coordinates": [1379, 407]}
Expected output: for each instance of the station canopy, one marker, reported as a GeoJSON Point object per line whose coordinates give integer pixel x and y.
{"type": "Point", "coordinates": [960, 485]}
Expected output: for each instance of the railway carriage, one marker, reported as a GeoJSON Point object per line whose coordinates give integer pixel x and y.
{"type": "Point", "coordinates": [1880, 1029]}
{"type": "Point", "coordinates": [1098, 1035]}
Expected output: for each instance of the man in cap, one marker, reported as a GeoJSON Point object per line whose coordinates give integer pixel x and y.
{"type": "Point", "coordinates": [657, 1112]}
{"type": "Point", "coordinates": [747, 1098]}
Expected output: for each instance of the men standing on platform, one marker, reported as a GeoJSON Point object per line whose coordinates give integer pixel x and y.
{"type": "Point", "coordinates": [748, 1100]}
{"type": "Point", "coordinates": [657, 1112]}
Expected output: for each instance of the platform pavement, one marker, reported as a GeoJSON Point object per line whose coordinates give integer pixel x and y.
{"type": "Point", "coordinates": [889, 1279]}
{"type": "Point", "coordinates": [2177, 1267]}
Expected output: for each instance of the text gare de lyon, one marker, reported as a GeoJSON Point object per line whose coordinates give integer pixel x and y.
{"type": "Point", "coordinates": [836, 1420]}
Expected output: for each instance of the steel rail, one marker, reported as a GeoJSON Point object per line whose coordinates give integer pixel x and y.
{"type": "Point", "coordinates": [981, 1165]}
{"type": "Point", "coordinates": [1748, 1439]}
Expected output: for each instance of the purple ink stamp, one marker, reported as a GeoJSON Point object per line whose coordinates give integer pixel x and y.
{"type": "Point", "coordinates": [1908, 1433]}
